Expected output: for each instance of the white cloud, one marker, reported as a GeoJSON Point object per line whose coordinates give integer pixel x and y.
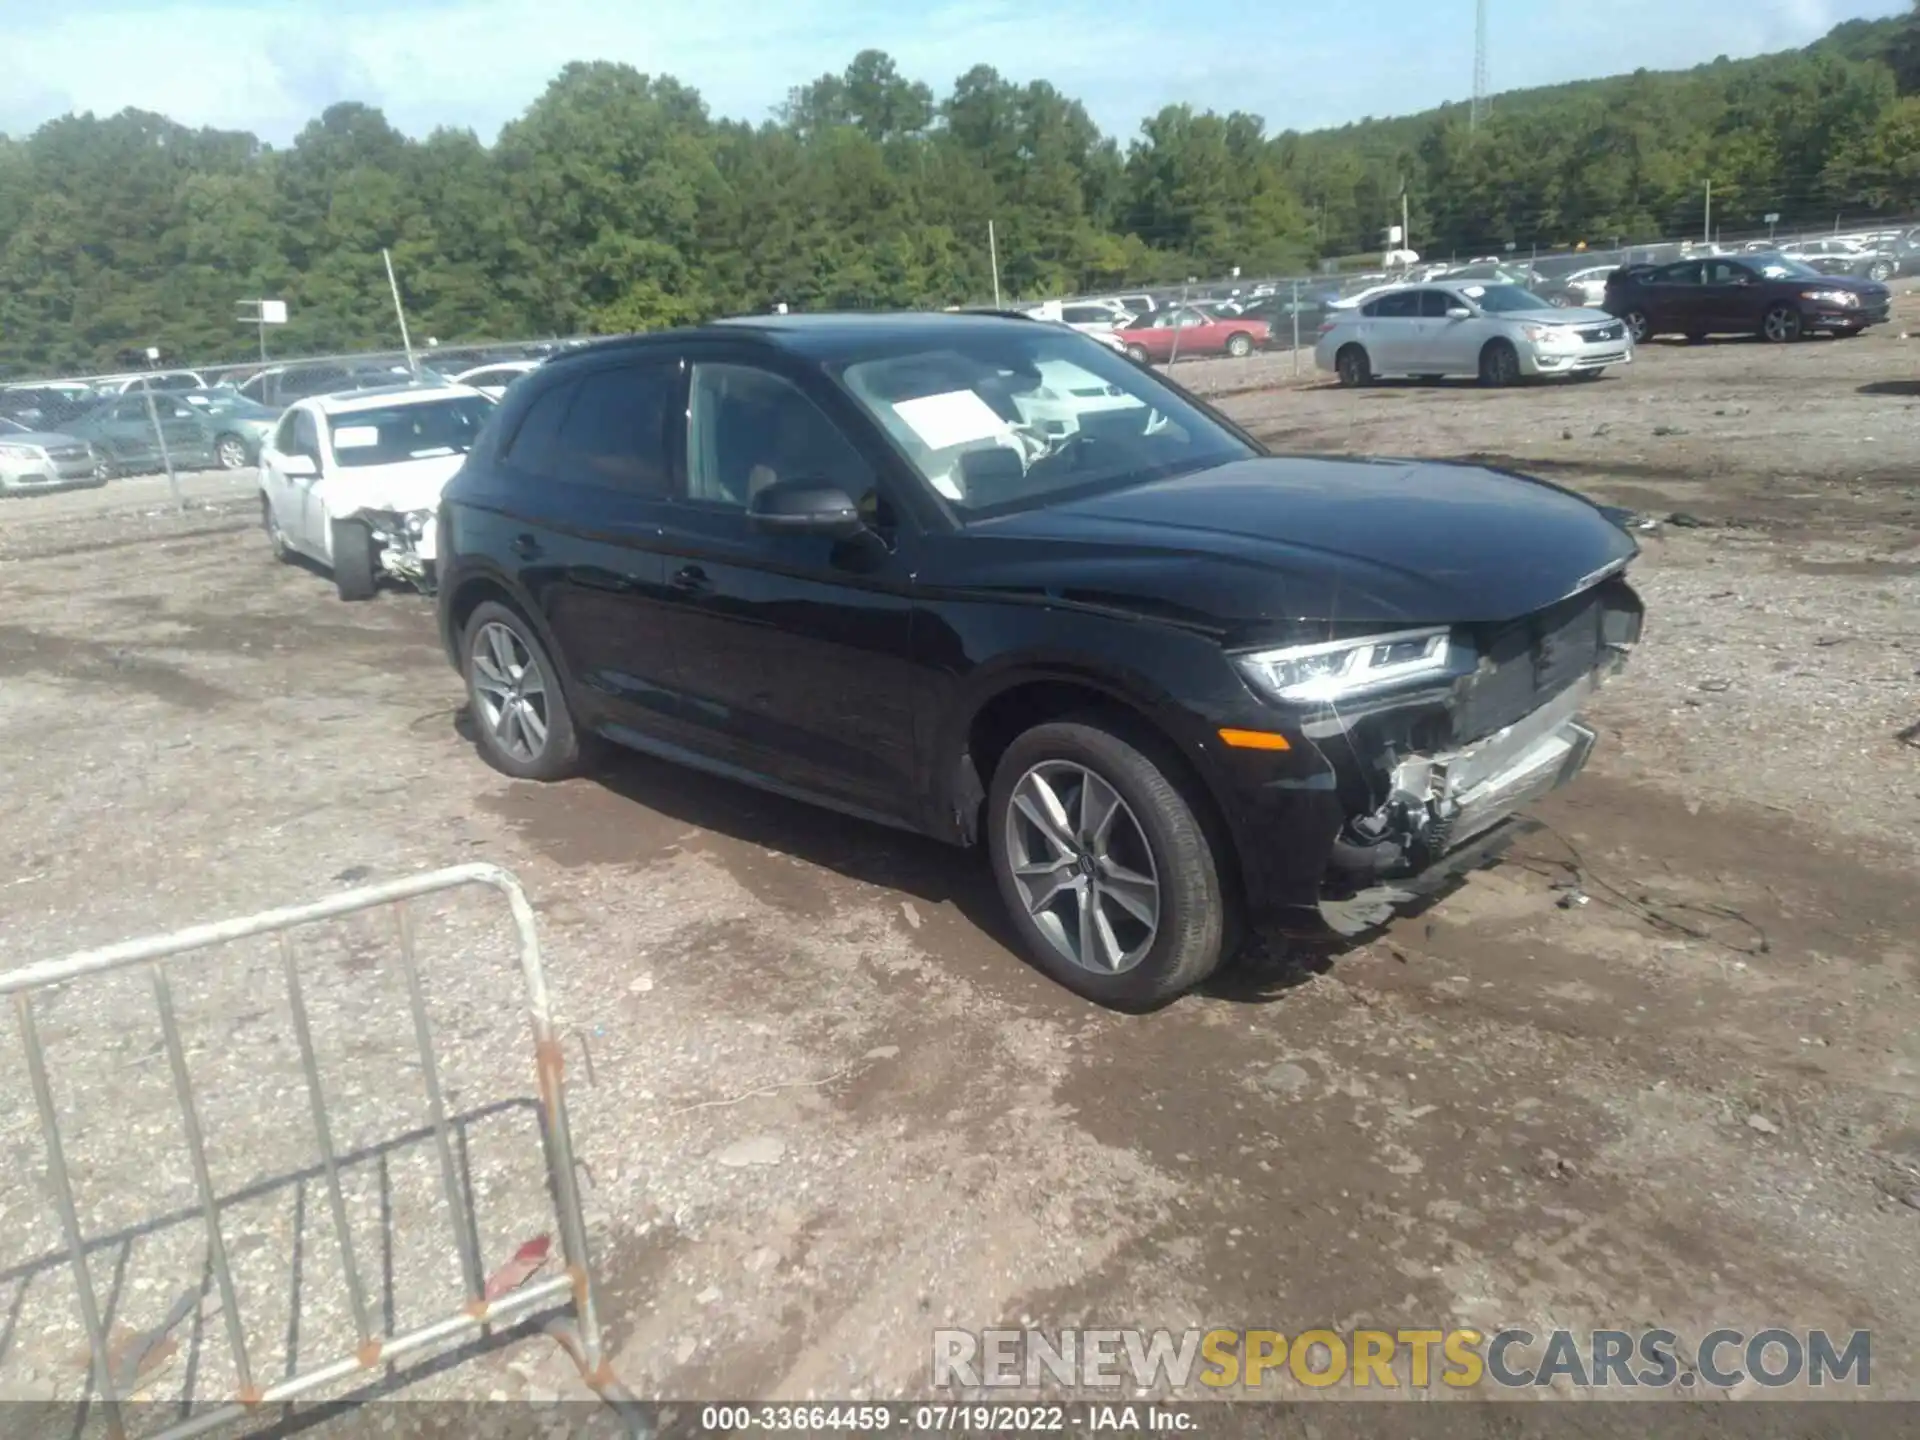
{"type": "Point", "coordinates": [271, 67]}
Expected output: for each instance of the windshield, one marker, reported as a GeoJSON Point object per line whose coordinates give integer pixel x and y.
{"type": "Point", "coordinates": [419, 431]}
{"type": "Point", "coordinates": [1784, 267]}
{"type": "Point", "coordinates": [1504, 299]}
{"type": "Point", "coordinates": [229, 402]}
{"type": "Point", "coordinates": [1004, 422]}
{"type": "Point", "coordinates": [13, 427]}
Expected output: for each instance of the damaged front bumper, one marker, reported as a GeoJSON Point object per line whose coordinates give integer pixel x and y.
{"type": "Point", "coordinates": [405, 544]}
{"type": "Point", "coordinates": [1442, 805]}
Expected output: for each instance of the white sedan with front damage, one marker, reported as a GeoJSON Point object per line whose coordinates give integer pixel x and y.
{"type": "Point", "coordinates": [353, 480]}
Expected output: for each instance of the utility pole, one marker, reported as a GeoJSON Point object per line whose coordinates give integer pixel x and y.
{"type": "Point", "coordinates": [993, 259]}
{"type": "Point", "coordinates": [1706, 233]}
{"type": "Point", "coordinates": [1406, 235]}
{"type": "Point", "coordinates": [413, 365]}
{"type": "Point", "coordinates": [1478, 113]}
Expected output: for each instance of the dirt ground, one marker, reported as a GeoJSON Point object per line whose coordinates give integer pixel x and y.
{"type": "Point", "coordinates": [821, 1105]}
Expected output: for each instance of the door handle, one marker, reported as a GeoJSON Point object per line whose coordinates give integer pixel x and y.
{"type": "Point", "coordinates": [690, 580]}
{"type": "Point", "coordinates": [525, 547]}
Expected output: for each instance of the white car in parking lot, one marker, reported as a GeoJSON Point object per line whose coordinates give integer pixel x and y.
{"type": "Point", "coordinates": [493, 380]}
{"type": "Point", "coordinates": [353, 480]}
{"type": "Point", "coordinates": [1498, 334]}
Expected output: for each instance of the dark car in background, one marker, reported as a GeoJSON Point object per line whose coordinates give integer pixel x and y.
{"type": "Point", "coordinates": [1773, 296]}
{"type": "Point", "coordinates": [280, 385]}
{"type": "Point", "coordinates": [981, 578]}
{"type": "Point", "coordinates": [121, 430]}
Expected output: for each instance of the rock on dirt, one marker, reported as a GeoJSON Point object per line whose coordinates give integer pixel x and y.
{"type": "Point", "coordinates": [760, 1150]}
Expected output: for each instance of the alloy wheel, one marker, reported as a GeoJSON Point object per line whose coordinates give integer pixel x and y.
{"type": "Point", "coordinates": [1637, 325]}
{"type": "Point", "coordinates": [511, 691]}
{"type": "Point", "coordinates": [1782, 324]}
{"type": "Point", "coordinates": [231, 452]}
{"type": "Point", "coordinates": [1082, 865]}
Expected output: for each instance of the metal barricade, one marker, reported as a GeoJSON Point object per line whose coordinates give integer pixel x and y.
{"type": "Point", "coordinates": [578, 1334]}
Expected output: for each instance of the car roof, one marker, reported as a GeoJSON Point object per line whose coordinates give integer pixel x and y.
{"type": "Point", "coordinates": [824, 335]}
{"type": "Point", "coordinates": [383, 397]}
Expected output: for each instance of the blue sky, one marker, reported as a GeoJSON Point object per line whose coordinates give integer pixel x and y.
{"type": "Point", "coordinates": [270, 65]}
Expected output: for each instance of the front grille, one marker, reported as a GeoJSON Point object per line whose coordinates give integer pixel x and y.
{"type": "Point", "coordinates": [1601, 332]}
{"type": "Point", "coordinates": [1528, 662]}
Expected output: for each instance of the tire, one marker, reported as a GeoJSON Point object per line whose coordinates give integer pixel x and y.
{"type": "Point", "coordinates": [1782, 325]}
{"type": "Point", "coordinates": [276, 537]}
{"type": "Point", "coordinates": [1558, 302]}
{"type": "Point", "coordinates": [1353, 367]}
{"type": "Point", "coordinates": [230, 452]}
{"type": "Point", "coordinates": [1429, 379]}
{"type": "Point", "coordinates": [1589, 374]}
{"type": "Point", "coordinates": [1137, 354]}
{"type": "Point", "coordinates": [1639, 326]}
{"type": "Point", "coordinates": [1499, 365]}
{"type": "Point", "coordinates": [1239, 346]}
{"type": "Point", "coordinates": [353, 570]}
{"type": "Point", "coordinates": [1153, 836]}
{"type": "Point", "coordinates": [1696, 337]}
{"type": "Point", "coordinates": [1849, 332]}
{"type": "Point", "coordinates": [499, 653]}
{"type": "Point", "coordinates": [1880, 271]}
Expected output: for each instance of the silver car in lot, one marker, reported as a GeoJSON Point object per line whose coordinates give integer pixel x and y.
{"type": "Point", "coordinates": [43, 460]}
{"type": "Point", "coordinates": [1498, 334]}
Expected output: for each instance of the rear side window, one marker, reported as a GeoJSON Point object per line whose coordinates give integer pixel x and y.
{"type": "Point", "coordinates": [607, 429]}
{"type": "Point", "coordinates": [1401, 305]}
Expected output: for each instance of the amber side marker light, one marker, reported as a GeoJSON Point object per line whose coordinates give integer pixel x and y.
{"type": "Point", "coordinates": [1254, 740]}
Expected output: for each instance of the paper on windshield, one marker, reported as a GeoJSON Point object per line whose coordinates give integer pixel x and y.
{"type": "Point", "coordinates": [1473, 291]}
{"type": "Point", "coordinates": [356, 437]}
{"type": "Point", "coordinates": [957, 417]}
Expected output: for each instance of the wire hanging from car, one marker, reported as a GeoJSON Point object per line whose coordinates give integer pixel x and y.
{"type": "Point", "coordinates": [1660, 914]}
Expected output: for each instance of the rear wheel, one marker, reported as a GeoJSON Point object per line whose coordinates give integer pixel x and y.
{"type": "Point", "coordinates": [1239, 346]}
{"type": "Point", "coordinates": [523, 725]}
{"type": "Point", "coordinates": [1782, 325]}
{"type": "Point", "coordinates": [353, 572]}
{"type": "Point", "coordinates": [1499, 364]}
{"type": "Point", "coordinates": [276, 537]}
{"type": "Point", "coordinates": [1353, 367]}
{"type": "Point", "coordinates": [1104, 865]}
{"type": "Point", "coordinates": [1137, 354]}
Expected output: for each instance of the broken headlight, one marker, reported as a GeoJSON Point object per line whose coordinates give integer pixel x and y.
{"type": "Point", "coordinates": [1335, 669]}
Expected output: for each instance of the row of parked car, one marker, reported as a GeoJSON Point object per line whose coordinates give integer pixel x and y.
{"type": "Point", "coordinates": [1501, 331]}
{"type": "Point", "coordinates": [58, 434]}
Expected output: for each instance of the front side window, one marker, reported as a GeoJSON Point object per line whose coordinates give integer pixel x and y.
{"type": "Point", "coordinates": [1400, 305]}
{"type": "Point", "coordinates": [1434, 304]}
{"type": "Point", "coordinates": [284, 438]}
{"type": "Point", "coordinates": [748, 428]}
{"type": "Point", "coordinates": [306, 435]}
{"type": "Point", "coordinates": [398, 433]}
{"type": "Point", "coordinates": [1505, 299]}
{"type": "Point", "coordinates": [1013, 419]}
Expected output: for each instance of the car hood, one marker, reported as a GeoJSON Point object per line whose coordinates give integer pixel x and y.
{"type": "Point", "coordinates": [1278, 547]}
{"type": "Point", "coordinates": [1855, 283]}
{"type": "Point", "coordinates": [45, 439]}
{"type": "Point", "coordinates": [407, 485]}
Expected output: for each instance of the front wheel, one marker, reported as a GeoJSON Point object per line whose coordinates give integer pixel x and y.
{"type": "Point", "coordinates": [1239, 346]}
{"type": "Point", "coordinates": [1499, 365]}
{"type": "Point", "coordinates": [523, 725]}
{"type": "Point", "coordinates": [353, 560]}
{"type": "Point", "coordinates": [1589, 374]}
{"type": "Point", "coordinates": [1104, 865]}
{"type": "Point", "coordinates": [230, 452]}
{"type": "Point", "coordinates": [1639, 326]}
{"type": "Point", "coordinates": [1880, 272]}
{"type": "Point", "coordinates": [1782, 325]}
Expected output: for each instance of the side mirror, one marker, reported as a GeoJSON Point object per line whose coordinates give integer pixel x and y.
{"type": "Point", "coordinates": [298, 467]}
{"type": "Point", "coordinates": [805, 507]}
{"type": "Point", "coordinates": [1459, 312]}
